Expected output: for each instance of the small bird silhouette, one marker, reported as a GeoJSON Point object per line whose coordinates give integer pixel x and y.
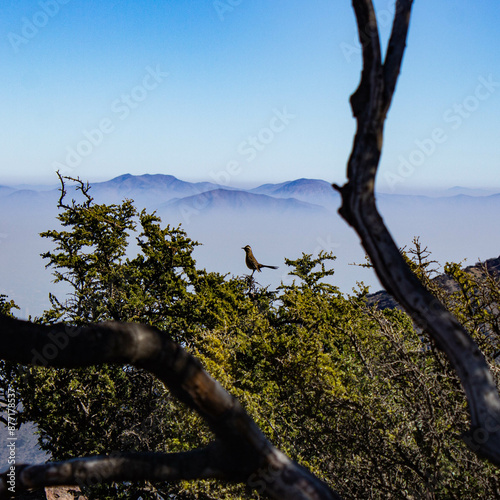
{"type": "Point", "coordinates": [251, 261]}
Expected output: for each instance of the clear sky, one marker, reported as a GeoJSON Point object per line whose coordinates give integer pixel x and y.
{"type": "Point", "coordinates": [241, 91]}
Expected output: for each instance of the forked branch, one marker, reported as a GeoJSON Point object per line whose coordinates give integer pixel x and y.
{"type": "Point", "coordinates": [370, 104]}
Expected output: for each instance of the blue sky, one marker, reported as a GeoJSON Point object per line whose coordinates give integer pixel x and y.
{"type": "Point", "coordinates": [241, 92]}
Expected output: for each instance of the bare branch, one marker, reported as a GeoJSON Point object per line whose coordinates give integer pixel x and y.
{"type": "Point", "coordinates": [396, 47]}
{"type": "Point", "coordinates": [81, 186]}
{"type": "Point", "coordinates": [60, 203]}
{"type": "Point", "coordinates": [89, 471]}
{"type": "Point", "coordinates": [241, 452]}
{"type": "Point", "coordinates": [369, 39]}
{"type": "Point", "coordinates": [370, 103]}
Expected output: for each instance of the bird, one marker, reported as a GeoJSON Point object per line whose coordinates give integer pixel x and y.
{"type": "Point", "coordinates": [251, 261]}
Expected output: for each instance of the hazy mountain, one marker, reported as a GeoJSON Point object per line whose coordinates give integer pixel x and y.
{"type": "Point", "coordinates": [317, 192]}
{"type": "Point", "coordinates": [29, 197]}
{"type": "Point", "coordinates": [456, 190]}
{"type": "Point", "coordinates": [160, 191]}
{"type": "Point", "coordinates": [156, 191]}
{"type": "Point", "coordinates": [150, 189]}
{"type": "Point", "coordinates": [5, 190]}
{"type": "Point", "coordinates": [239, 201]}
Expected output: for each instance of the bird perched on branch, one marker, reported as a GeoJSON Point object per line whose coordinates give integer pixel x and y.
{"type": "Point", "coordinates": [251, 261]}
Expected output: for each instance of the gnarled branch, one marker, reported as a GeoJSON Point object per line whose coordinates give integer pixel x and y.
{"type": "Point", "coordinates": [194, 464]}
{"type": "Point", "coordinates": [240, 453]}
{"type": "Point", "coordinates": [370, 104]}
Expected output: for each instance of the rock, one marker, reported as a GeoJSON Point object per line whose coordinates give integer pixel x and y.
{"type": "Point", "coordinates": [64, 493]}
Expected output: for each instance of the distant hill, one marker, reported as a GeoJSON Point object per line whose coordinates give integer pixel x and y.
{"type": "Point", "coordinates": [467, 191]}
{"type": "Point", "coordinates": [148, 188]}
{"type": "Point", "coordinates": [385, 301]}
{"type": "Point", "coordinates": [160, 191]}
{"type": "Point", "coordinates": [5, 190]}
{"type": "Point", "coordinates": [166, 191]}
{"type": "Point", "coordinates": [239, 201]}
{"type": "Point", "coordinates": [313, 191]}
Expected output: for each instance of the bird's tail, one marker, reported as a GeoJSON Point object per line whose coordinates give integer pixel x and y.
{"type": "Point", "coordinates": [270, 267]}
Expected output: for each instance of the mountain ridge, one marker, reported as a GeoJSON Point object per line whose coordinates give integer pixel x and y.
{"type": "Point", "coordinates": [223, 199]}
{"type": "Point", "coordinates": [157, 189]}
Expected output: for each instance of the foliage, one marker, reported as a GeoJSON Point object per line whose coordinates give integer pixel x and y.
{"type": "Point", "coordinates": [7, 307]}
{"type": "Point", "coordinates": [357, 395]}
{"type": "Point", "coordinates": [8, 370]}
{"type": "Point", "coordinates": [475, 303]}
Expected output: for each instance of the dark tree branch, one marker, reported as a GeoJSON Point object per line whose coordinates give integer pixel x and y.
{"type": "Point", "coordinates": [89, 471]}
{"type": "Point", "coordinates": [370, 104]}
{"type": "Point", "coordinates": [396, 48]}
{"type": "Point", "coordinates": [241, 453]}
{"type": "Point", "coordinates": [60, 203]}
{"type": "Point", "coordinates": [369, 38]}
{"type": "Point", "coordinates": [81, 186]}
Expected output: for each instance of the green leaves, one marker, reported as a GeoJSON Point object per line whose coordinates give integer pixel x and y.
{"type": "Point", "coordinates": [89, 257]}
{"type": "Point", "coordinates": [303, 269]}
{"type": "Point", "coordinates": [6, 307]}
